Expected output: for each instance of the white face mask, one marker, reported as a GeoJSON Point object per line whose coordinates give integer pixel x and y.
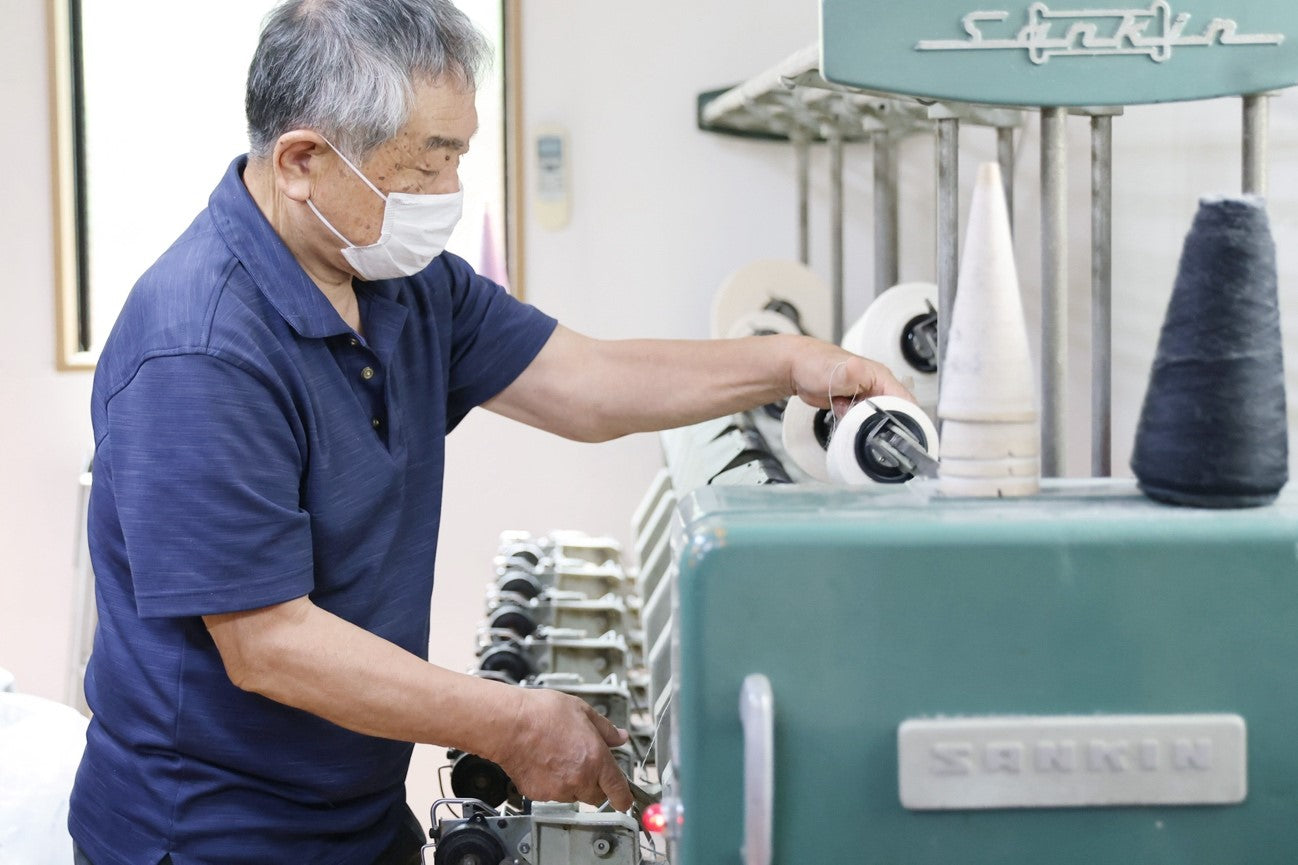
{"type": "Point", "coordinates": [415, 230]}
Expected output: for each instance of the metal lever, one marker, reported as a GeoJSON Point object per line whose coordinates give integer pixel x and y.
{"type": "Point", "coordinates": [895, 442]}
{"type": "Point", "coordinates": [757, 714]}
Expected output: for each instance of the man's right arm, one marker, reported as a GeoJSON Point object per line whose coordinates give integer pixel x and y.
{"type": "Point", "coordinates": [553, 746]}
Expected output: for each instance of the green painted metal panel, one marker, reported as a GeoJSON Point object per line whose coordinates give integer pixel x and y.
{"type": "Point", "coordinates": [867, 611]}
{"type": "Point", "coordinates": [1070, 53]}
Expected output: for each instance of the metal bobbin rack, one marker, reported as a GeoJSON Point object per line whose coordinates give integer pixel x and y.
{"type": "Point", "coordinates": [961, 68]}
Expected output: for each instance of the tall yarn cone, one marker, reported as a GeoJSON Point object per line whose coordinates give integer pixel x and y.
{"type": "Point", "coordinates": [1213, 429]}
{"type": "Point", "coordinates": [987, 370]}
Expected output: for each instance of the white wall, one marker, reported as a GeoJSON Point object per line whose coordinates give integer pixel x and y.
{"type": "Point", "coordinates": [45, 435]}
{"type": "Point", "coordinates": [661, 213]}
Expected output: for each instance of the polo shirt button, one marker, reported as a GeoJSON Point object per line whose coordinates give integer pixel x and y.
{"type": "Point", "coordinates": [376, 423]}
{"type": "Point", "coordinates": [353, 342]}
{"type": "Point", "coordinates": [367, 373]}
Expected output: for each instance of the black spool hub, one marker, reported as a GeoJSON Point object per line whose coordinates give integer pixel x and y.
{"type": "Point", "coordinates": [919, 341]}
{"type": "Point", "coordinates": [870, 463]}
{"type": "Point", "coordinates": [470, 843]}
{"type": "Point", "coordinates": [508, 660]}
{"type": "Point", "coordinates": [775, 410]}
{"type": "Point", "coordinates": [526, 558]}
{"type": "Point", "coordinates": [512, 617]}
{"type": "Point", "coordinates": [520, 583]}
{"type": "Point", "coordinates": [821, 427]}
{"type": "Point", "coordinates": [474, 777]}
{"type": "Point", "coordinates": [786, 309]}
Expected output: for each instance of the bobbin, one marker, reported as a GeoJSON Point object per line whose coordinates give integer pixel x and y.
{"type": "Point", "coordinates": [787, 288]}
{"type": "Point", "coordinates": [852, 461]}
{"type": "Point", "coordinates": [899, 330]}
{"type": "Point", "coordinates": [804, 431]}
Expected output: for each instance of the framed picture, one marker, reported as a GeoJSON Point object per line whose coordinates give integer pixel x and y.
{"type": "Point", "coordinates": [148, 112]}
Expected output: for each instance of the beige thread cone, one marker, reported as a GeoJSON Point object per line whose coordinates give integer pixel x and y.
{"type": "Point", "coordinates": [988, 390]}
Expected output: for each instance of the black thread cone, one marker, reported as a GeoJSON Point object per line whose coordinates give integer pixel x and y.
{"type": "Point", "coordinates": [1213, 430]}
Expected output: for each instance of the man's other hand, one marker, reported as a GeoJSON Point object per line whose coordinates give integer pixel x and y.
{"type": "Point", "coordinates": [559, 751]}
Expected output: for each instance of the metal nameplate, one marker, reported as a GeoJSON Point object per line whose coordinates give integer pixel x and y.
{"type": "Point", "coordinates": [1072, 761]}
{"type": "Point", "coordinates": [1038, 53]}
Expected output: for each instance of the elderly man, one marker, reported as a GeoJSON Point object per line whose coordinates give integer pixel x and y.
{"type": "Point", "coordinates": [270, 414]}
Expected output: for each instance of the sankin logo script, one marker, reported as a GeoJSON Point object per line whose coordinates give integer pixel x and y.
{"type": "Point", "coordinates": [1154, 32]}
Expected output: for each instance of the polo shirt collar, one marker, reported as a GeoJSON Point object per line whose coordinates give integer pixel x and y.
{"type": "Point", "coordinates": [271, 265]}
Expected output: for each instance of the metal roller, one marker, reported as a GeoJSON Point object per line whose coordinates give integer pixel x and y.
{"type": "Point", "coordinates": [1102, 295]}
{"type": "Point", "coordinates": [948, 224]}
{"type": "Point", "coordinates": [1054, 290]}
{"type": "Point", "coordinates": [1257, 117]}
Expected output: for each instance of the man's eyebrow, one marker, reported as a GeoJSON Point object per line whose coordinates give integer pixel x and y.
{"type": "Point", "coordinates": [439, 142]}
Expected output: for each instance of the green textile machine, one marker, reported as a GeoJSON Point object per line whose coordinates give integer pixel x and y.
{"type": "Point", "coordinates": [1081, 676]}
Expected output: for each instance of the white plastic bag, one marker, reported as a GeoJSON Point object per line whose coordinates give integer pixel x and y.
{"type": "Point", "coordinates": [40, 746]}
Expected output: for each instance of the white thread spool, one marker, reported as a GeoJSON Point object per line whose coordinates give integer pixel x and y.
{"type": "Point", "coordinates": [882, 334]}
{"type": "Point", "coordinates": [801, 431]}
{"type": "Point", "coordinates": [755, 285]}
{"type": "Point", "coordinates": [842, 458]}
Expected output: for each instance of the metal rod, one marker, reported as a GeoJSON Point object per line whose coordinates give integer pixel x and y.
{"type": "Point", "coordinates": [1101, 296]}
{"type": "Point", "coordinates": [1054, 290]}
{"type": "Point", "coordinates": [948, 226]}
{"type": "Point", "coordinates": [886, 235]}
{"type": "Point", "coordinates": [1005, 156]}
{"type": "Point", "coordinates": [836, 227]}
{"type": "Point", "coordinates": [802, 153]}
{"type": "Point", "coordinates": [1257, 111]}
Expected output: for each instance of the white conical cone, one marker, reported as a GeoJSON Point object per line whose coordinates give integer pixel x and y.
{"type": "Point", "coordinates": [986, 364]}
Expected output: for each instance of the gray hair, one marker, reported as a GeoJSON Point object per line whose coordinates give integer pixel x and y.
{"type": "Point", "coordinates": [346, 68]}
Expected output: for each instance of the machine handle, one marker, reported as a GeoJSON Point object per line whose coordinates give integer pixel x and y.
{"type": "Point", "coordinates": [757, 714]}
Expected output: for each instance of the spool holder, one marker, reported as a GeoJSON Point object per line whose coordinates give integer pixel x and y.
{"type": "Point", "coordinates": [880, 444]}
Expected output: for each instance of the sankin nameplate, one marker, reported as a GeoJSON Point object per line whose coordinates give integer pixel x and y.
{"type": "Point", "coordinates": [1072, 761]}
{"type": "Point", "coordinates": [1065, 53]}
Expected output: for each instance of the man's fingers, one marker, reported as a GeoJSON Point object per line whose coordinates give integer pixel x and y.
{"type": "Point", "coordinates": [615, 786]}
{"type": "Point", "coordinates": [612, 736]}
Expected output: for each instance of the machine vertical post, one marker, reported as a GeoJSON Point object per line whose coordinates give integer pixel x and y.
{"type": "Point", "coordinates": [886, 234]}
{"type": "Point", "coordinates": [1101, 295]}
{"type": "Point", "coordinates": [802, 155]}
{"type": "Point", "coordinates": [836, 226]}
{"type": "Point", "coordinates": [948, 226]}
{"type": "Point", "coordinates": [1005, 156]}
{"type": "Point", "coordinates": [1054, 290]}
{"type": "Point", "coordinates": [1257, 115]}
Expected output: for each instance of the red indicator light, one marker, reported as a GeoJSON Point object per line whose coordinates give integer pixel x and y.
{"type": "Point", "coordinates": [654, 819]}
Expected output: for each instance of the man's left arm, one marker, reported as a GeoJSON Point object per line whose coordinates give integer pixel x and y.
{"type": "Point", "coordinates": [595, 390]}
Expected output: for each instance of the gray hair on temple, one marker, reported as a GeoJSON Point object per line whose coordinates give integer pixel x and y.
{"type": "Point", "coordinates": [346, 68]}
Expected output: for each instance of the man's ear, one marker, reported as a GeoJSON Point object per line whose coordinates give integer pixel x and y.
{"type": "Point", "coordinates": [298, 161]}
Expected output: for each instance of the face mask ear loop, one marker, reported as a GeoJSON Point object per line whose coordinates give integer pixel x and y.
{"type": "Point", "coordinates": [327, 224]}
{"type": "Point", "coordinates": [354, 169]}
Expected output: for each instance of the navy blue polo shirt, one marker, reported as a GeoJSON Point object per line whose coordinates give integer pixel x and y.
{"type": "Point", "coordinates": [250, 448]}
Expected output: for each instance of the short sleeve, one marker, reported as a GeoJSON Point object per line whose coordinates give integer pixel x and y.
{"type": "Point", "coordinates": [494, 338]}
{"type": "Point", "coordinates": [206, 472]}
